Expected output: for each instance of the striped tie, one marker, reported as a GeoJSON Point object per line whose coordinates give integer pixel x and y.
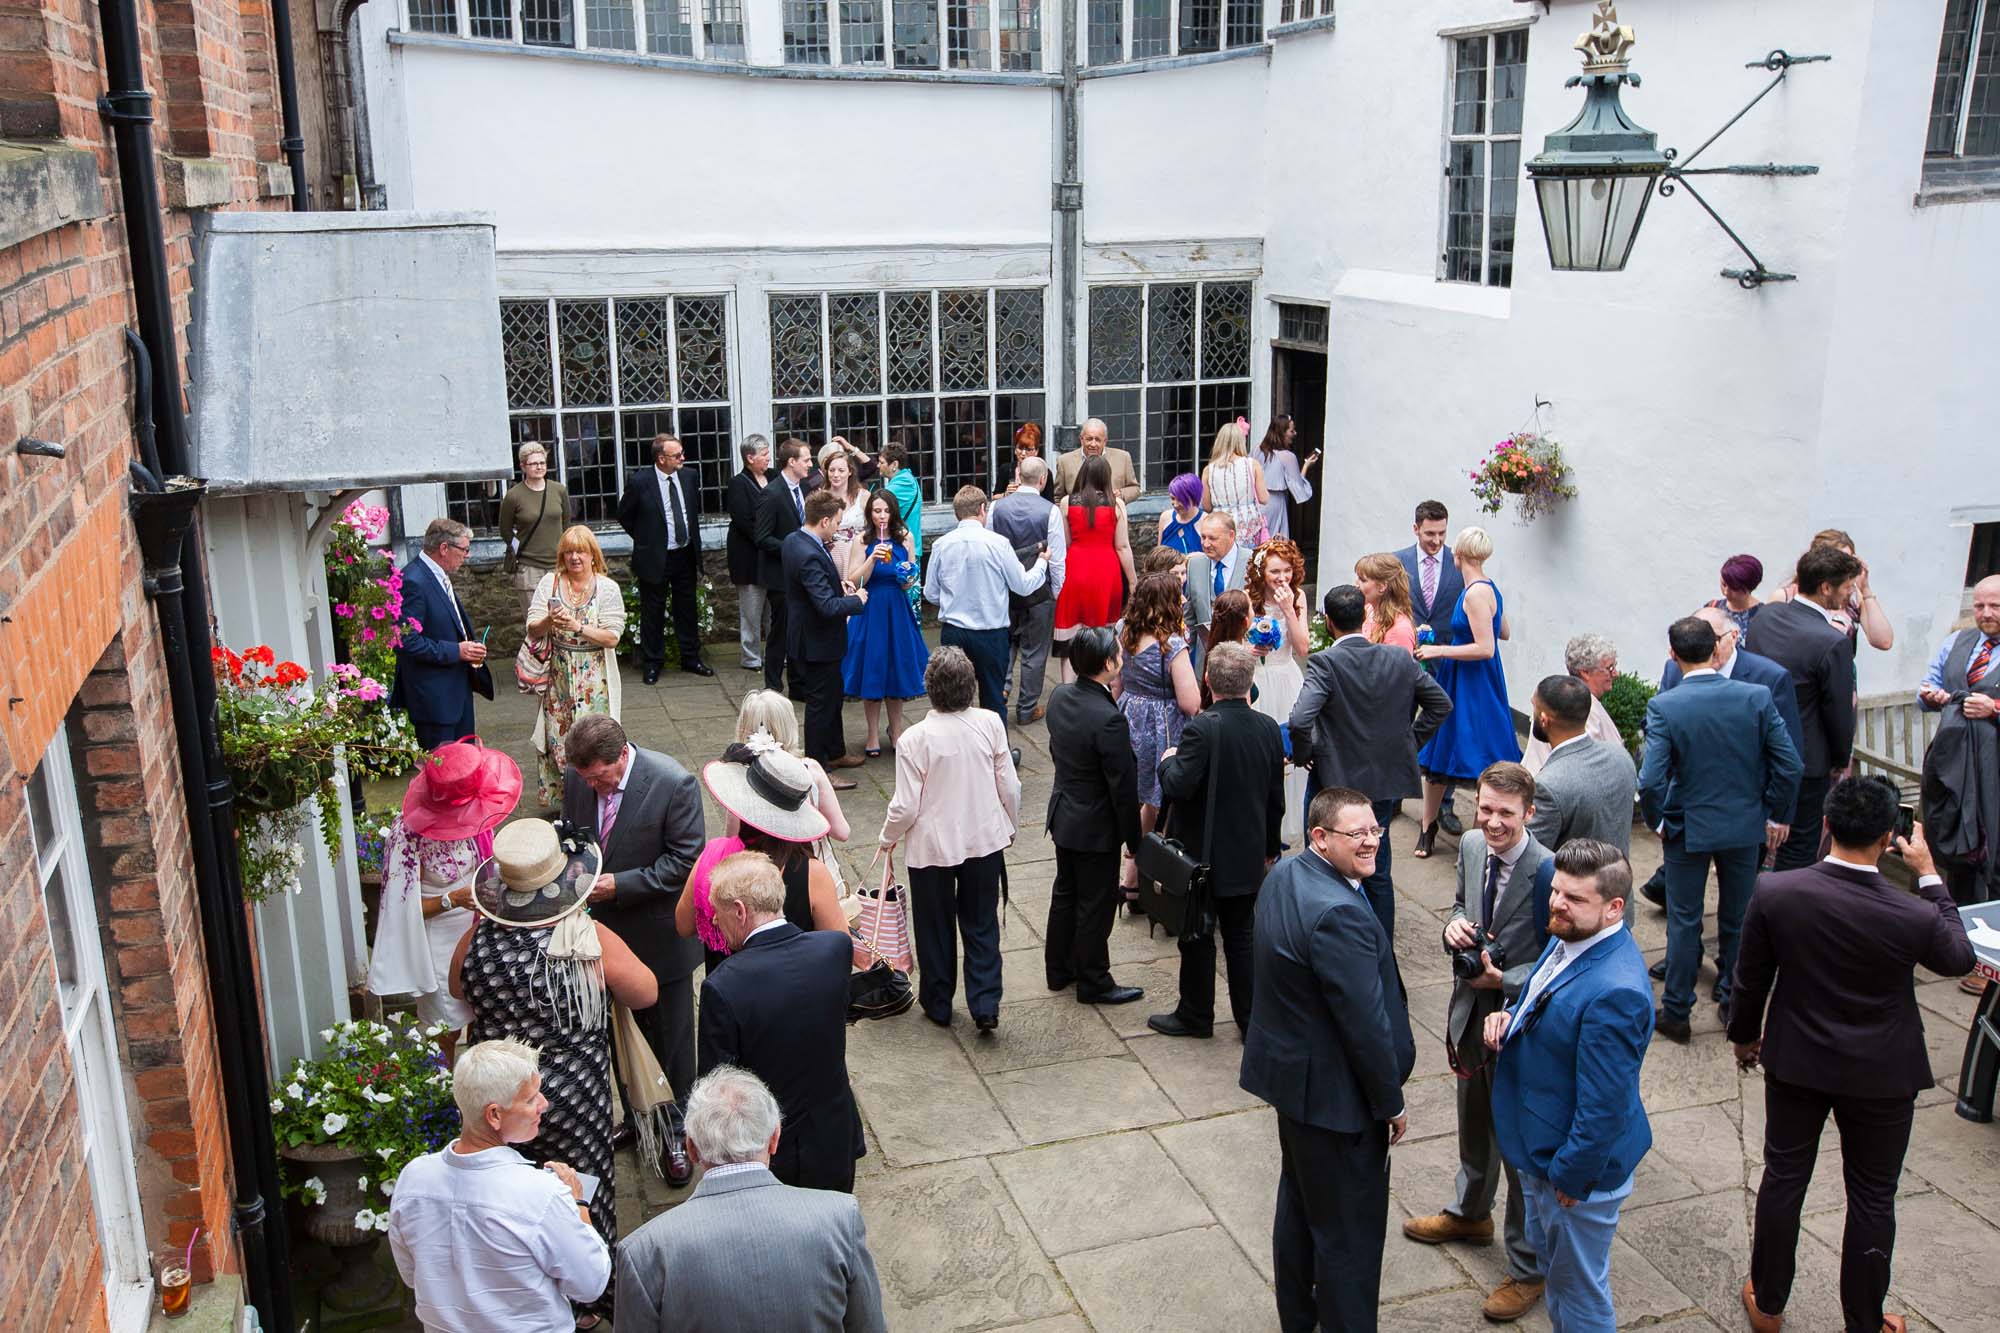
{"type": "Point", "coordinates": [1977, 671]}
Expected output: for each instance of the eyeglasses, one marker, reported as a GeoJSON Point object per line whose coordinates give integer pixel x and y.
{"type": "Point", "coordinates": [464, 549]}
{"type": "Point", "coordinates": [1359, 835]}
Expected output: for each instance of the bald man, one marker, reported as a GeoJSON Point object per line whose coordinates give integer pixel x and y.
{"type": "Point", "coordinates": [1093, 439]}
{"type": "Point", "coordinates": [1964, 678]}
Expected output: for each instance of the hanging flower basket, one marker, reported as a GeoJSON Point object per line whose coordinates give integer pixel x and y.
{"type": "Point", "coordinates": [281, 738]}
{"type": "Point", "coordinates": [1529, 465]}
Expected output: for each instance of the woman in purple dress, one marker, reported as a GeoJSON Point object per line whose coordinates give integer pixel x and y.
{"type": "Point", "coordinates": [1157, 691]}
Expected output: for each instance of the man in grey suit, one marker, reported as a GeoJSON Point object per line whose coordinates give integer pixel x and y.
{"type": "Point", "coordinates": [645, 812]}
{"type": "Point", "coordinates": [1353, 725]}
{"type": "Point", "coordinates": [745, 1253]}
{"type": "Point", "coordinates": [1212, 571]}
{"type": "Point", "coordinates": [1586, 788]}
{"type": "Point", "coordinates": [1502, 910]}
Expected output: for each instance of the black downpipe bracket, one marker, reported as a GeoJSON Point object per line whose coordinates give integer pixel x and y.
{"type": "Point", "coordinates": [164, 509]}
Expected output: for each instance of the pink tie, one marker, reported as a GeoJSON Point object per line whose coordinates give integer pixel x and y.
{"type": "Point", "coordinates": [1430, 579]}
{"type": "Point", "coordinates": [607, 815]}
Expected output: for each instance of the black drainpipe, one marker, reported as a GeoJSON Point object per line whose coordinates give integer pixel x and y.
{"type": "Point", "coordinates": [288, 103]}
{"type": "Point", "coordinates": [164, 502]}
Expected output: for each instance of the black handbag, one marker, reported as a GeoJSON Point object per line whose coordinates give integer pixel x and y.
{"type": "Point", "coordinates": [1174, 888]}
{"type": "Point", "coordinates": [879, 991]}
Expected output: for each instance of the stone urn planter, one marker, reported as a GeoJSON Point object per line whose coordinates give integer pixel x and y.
{"type": "Point", "coordinates": [359, 1282]}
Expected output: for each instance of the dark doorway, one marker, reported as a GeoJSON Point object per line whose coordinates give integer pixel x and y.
{"type": "Point", "coordinates": [1298, 387]}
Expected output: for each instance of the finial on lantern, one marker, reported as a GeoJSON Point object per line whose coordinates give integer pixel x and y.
{"type": "Point", "coordinates": [1607, 46]}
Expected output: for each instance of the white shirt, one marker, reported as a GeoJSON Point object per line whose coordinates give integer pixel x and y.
{"type": "Point", "coordinates": [445, 579]}
{"type": "Point", "coordinates": [488, 1241]}
{"type": "Point", "coordinates": [1508, 860]}
{"type": "Point", "coordinates": [1559, 962]}
{"type": "Point", "coordinates": [772, 924]}
{"type": "Point", "coordinates": [1825, 614]}
{"type": "Point", "coordinates": [1922, 880]}
{"type": "Point", "coordinates": [670, 483]}
{"type": "Point", "coordinates": [971, 572]}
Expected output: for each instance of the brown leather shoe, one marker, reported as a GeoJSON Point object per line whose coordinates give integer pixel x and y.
{"type": "Point", "coordinates": [1512, 1298]}
{"type": "Point", "coordinates": [1759, 1321]}
{"type": "Point", "coordinates": [1973, 984]}
{"type": "Point", "coordinates": [1441, 1227]}
{"type": "Point", "coordinates": [847, 761]}
{"type": "Point", "coordinates": [1894, 1323]}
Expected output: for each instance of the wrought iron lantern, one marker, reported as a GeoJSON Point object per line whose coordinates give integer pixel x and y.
{"type": "Point", "coordinates": [1595, 177]}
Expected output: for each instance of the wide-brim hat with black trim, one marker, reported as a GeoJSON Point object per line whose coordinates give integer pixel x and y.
{"type": "Point", "coordinates": [463, 790]}
{"type": "Point", "coordinates": [773, 793]}
{"type": "Point", "coordinates": [539, 873]}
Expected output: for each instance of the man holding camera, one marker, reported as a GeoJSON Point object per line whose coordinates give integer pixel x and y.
{"type": "Point", "coordinates": [1498, 928]}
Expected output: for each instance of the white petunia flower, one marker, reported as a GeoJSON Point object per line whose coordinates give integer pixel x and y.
{"type": "Point", "coordinates": [334, 1122]}
{"type": "Point", "coordinates": [294, 1091]}
{"type": "Point", "coordinates": [276, 1105]}
{"type": "Point", "coordinates": [362, 1183]}
{"type": "Point", "coordinates": [384, 1153]}
{"type": "Point", "coordinates": [388, 1187]}
{"type": "Point", "coordinates": [365, 1220]}
{"type": "Point", "coordinates": [326, 1034]}
{"type": "Point", "coordinates": [315, 1189]}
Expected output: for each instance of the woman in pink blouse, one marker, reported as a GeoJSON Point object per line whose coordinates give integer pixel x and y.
{"type": "Point", "coordinates": [957, 804]}
{"type": "Point", "coordinates": [1391, 619]}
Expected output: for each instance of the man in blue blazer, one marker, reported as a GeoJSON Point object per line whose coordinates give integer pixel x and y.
{"type": "Point", "coordinates": [817, 605]}
{"type": "Point", "coordinates": [1719, 779]}
{"type": "Point", "coordinates": [1735, 662]}
{"type": "Point", "coordinates": [1566, 1102]}
{"type": "Point", "coordinates": [1435, 587]}
{"type": "Point", "coordinates": [439, 665]}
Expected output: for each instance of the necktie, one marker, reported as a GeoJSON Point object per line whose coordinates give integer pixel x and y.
{"type": "Point", "coordinates": [1221, 573]}
{"type": "Point", "coordinates": [1977, 671]}
{"type": "Point", "coordinates": [677, 523]}
{"type": "Point", "coordinates": [798, 502]}
{"type": "Point", "coordinates": [1547, 971]}
{"type": "Point", "coordinates": [607, 815]}
{"type": "Point", "coordinates": [1430, 579]}
{"type": "Point", "coordinates": [1489, 893]}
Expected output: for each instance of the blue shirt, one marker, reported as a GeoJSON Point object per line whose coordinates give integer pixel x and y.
{"type": "Point", "coordinates": [971, 572]}
{"type": "Point", "coordinates": [1935, 676]}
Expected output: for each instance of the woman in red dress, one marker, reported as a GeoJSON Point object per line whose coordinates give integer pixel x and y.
{"type": "Point", "coordinates": [1098, 567]}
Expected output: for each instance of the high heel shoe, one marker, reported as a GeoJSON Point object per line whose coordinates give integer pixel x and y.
{"type": "Point", "coordinates": [1425, 840]}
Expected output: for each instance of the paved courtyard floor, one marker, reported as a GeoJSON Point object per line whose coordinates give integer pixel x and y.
{"type": "Point", "coordinates": [1074, 1171]}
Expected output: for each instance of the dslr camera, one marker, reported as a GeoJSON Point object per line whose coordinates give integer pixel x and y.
{"type": "Point", "coordinates": [1466, 963]}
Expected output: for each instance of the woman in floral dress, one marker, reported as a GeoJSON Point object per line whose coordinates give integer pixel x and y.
{"type": "Point", "coordinates": [1157, 691]}
{"type": "Point", "coordinates": [580, 612]}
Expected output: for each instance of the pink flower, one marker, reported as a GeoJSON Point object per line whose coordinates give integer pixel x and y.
{"type": "Point", "coordinates": [416, 626]}
{"type": "Point", "coordinates": [367, 636]}
{"type": "Point", "coordinates": [342, 609]}
{"type": "Point", "coordinates": [378, 613]}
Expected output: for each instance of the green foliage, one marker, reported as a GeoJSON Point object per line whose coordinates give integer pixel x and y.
{"type": "Point", "coordinates": [1626, 702]}
{"type": "Point", "coordinates": [382, 1090]}
{"type": "Point", "coordinates": [704, 619]}
{"type": "Point", "coordinates": [1528, 465]}
{"type": "Point", "coordinates": [366, 591]}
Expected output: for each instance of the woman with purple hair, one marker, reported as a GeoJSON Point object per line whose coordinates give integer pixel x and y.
{"type": "Point", "coordinates": [1177, 525]}
{"type": "Point", "coordinates": [1740, 576]}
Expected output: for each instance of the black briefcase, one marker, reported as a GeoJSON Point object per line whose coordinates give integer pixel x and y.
{"type": "Point", "coordinates": [1174, 888]}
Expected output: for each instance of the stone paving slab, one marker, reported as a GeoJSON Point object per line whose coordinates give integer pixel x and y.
{"type": "Point", "coordinates": [1077, 1171]}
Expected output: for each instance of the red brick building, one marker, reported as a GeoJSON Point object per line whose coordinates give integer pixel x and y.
{"type": "Point", "coordinates": [113, 1136]}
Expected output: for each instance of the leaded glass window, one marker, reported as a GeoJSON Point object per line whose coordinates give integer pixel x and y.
{"type": "Point", "coordinates": [434, 16]}
{"type": "Point", "coordinates": [965, 34]}
{"type": "Point", "coordinates": [1302, 326]}
{"type": "Point", "coordinates": [546, 23]}
{"type": "Point", "coordinates": [861, 32]}
{"type": "Point", "coordinates": [594, 380]}
{"type": "Point", "coordinates": [1482, 167]}
{"type": "Point", "coordinates": [1201, 25]}
{"type": "Point", "coordinates": [916, 34]}
{"type": "Point", "coordinates": [1021, 34]}
{"type": "Point", "coordinates": [948, 374]}
{"type": "Point", "coordinates": [1172, 27]}
{"type": "Point", "coordinates": [1169, 365]}
{"type": "Point", "coordinates": [808, 33]}
{"type": "Point", "coordinates": [609, 25]}
{"type": "Point", "coordinates": [492, 20]}
{"type": "Point", "coordinates": [669, 28]}
{"type": "Point", "coordinates": [1245, 23]}
{"type": "Point", "coordinates": [1106, 35]}
{"type": "Point", "coordinates": [722, 29]}
{"type": "Point", "coordinates": [1965, 96]}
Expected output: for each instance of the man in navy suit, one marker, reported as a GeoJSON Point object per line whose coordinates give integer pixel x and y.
{"type": "Point", "coordinates": [1435, 587]}
{"type": "Point", "coordinates": [1719, 779]}
{"type": "Point", "coordinates": [778, 1008]}
{"type": "Point", "coordinates": [439, 665]}
{"type": "Point", "coordinates": [817, 605]}
{"type": "Point", "coordinates": [1566, 1084]}
{"type": "Point", "coordinates": [661, 512]}
{"type": "Point", "coordinates": [1734, 662]}
{"type": "Point", "coordinates": [1329, 1047]}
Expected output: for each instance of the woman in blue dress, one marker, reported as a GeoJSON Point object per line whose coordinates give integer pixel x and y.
{"type": "Point", "coordinates": [886, 653]}
{"type": "Point", "coordinates": [1177, 523]}
{"type": "Point", "coordinates": [1480, 728]}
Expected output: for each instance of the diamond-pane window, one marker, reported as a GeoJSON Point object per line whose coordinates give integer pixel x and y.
{"type": "Point", "coordinates": [583, 340]}
{"type": "Point", "coordinates": [962, 340]}
{"type": "Point", "coordinates": [643, 369]}
{"type": "Point", "coordinates": [1117, 315]}
{"type": "Point", "coordinates": [795, 346]}
{"type": "Point", "coordinates": [1225, 330]}
{"type": "Point", "coordinates": [701, 326]}
{"type": "Point", "coordinates": [1017, 337]}
{"type": "Point", "coordinates": [524, 342]}
{"type": "Point", "coordinates": [854, 336]}
{"type": "Point", "coordinates": [909, 349]}
{"type": "Point", "coordinates": [1170, 332]}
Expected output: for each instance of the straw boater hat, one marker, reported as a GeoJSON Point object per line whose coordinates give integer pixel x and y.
{"type": "Point", "coordinates": [772, 793]}
{"type": "Point", "coordinates": [463, 791]}
{"type": "Point", "coordinates": [541, 875]}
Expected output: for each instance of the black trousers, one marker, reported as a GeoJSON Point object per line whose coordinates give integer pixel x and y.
{"type": "Point", "coordinates": [430, 735]}
{"type": "Point", "coordinates": [682, 566]}
{"type": "Point", "coordinates": [1326, 1241]}
{"type": "Point", "coordinates": [668, 1027]}
{"type": "Point", "coordinates": [1802, 848]}
{"type": "Point", "coordinates": [1235, 918]}
{"type": "Point", "coordinates": [774, 646]}
{"type": "Point", "coordinates": [987, 649]}
{"type": "Point", "coordinates": [1082, 908]}
{"type": "Point", "coordinates": [1379, 888]}
{"type": "Point", "coordinates": [948, 902]}
{"type": "Point", "coordinates": [1874, 1135]}
{"type": "Point", "coordinates": [823, 738]}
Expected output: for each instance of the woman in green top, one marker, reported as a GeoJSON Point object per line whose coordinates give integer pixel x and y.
{"type": "Point", "coordinates": [900, 482]}
{"type": "Point", "coordinates": [533, 514]}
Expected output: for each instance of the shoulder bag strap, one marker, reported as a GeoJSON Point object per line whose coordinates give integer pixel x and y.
{"type": "Point", "coordinates": [539, 515]}
{"type": "Point", "coordinates": [1208, 819]}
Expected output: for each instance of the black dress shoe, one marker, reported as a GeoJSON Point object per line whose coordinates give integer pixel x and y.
{"type": "Point", "coordinates": [1654, 890]}
{"type": "Point", "coordinates": [1658, 971]}
{"type": "Point", "coordinates": [1448, 819]}
{"type": "Point", "coordinates": [652, 676]}
{"type": "Point", "coordinates": [698, 668]}
{"type": "Point", "coordinates": [674, 1157]}
{"type": "Point", "coordinates": [1173, 1025]}
{"type": "Point", "coordinates": [1116, 995]}
{"type": "Point", "coordinates": [986, 1022]}
{"type": "Point", "coordinates": [623, 1136]}
{"type": "Point", "coordinates": [1673, 1029]}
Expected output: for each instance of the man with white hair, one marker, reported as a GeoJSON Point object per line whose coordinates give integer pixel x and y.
{"type": "Point", "coordinates": [746, 1253]}
{"type": "Point", "coordinates": [486, 1239]}
{"type": "Point", "coordinates": [1093, 438]}
{"type": "Point", "coordinates": [1592, 659]}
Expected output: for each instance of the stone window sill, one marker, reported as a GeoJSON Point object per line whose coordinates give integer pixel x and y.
{"type": "Point", "coordinates": [1959, 182]}
{"type": "Point", "coordinates": [196, 182]}
{"type": "Point", "coordinates": [46, 186]}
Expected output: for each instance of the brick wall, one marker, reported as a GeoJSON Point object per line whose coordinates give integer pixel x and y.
{"type": "Point", "coordinates": [79, 644]}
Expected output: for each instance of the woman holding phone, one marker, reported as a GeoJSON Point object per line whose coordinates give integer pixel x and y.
{"type": "Point", "coordinates": [580, 608]}
{"type": "Point", "coordinates": [886, 653]}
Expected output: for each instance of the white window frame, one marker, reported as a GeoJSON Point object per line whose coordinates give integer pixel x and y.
{"type": "Point", "coordinates": [1141, 447]}
{"type": "Point", "coordinates": [697, 13]}
{"type": "Point", "coordinates": [1487, 138]}
{"type": "Point", "coordinates": [104, 1128]}
{"type": "Point", "coordinates": [1222, 42]}
{"type": "Point", "coordinates": [1970, 82]}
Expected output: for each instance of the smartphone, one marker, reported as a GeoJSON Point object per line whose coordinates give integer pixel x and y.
{"type": "Point", "coordinates": [555, 605]}
{"type": "Point", "coordinates": [1906, 819]}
